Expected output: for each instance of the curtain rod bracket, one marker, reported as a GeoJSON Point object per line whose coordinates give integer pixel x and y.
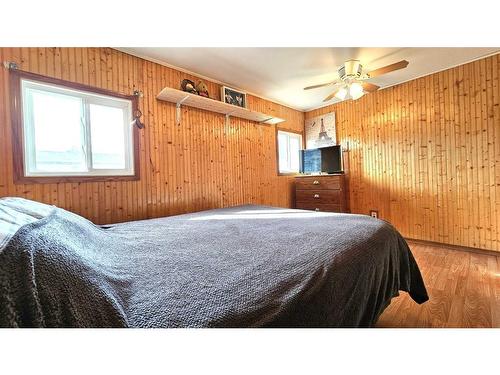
{"type": "Point", "coordinates": [138, 93]}
{"type": "Point", "coordinates": [10, 65]}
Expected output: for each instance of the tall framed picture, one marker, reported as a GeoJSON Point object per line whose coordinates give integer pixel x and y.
{"type": "Point", "coordinates": [234, 97]}
{"type": "Point", "coordinates": [320, 131]}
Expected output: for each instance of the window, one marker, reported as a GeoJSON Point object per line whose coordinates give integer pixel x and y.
{"type": "Point", "coordinates": [74, 132]}
{"type": "Point", "coordinates": [289, 146]}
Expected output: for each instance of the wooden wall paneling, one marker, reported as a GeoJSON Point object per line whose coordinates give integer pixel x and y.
{"type": "Point", "coordinates": [197, 163]}
{"type": "Point", "coordinates": [165, 147]}
{"type": "Point", "coordinates": [168, 149]}
{"type": "Point", "coordinates": [476, 115]}
{"type": "Point", "coordinates": [225, 157]}
{"type": "Point", "coordinates": [161, 150]}
{"type": "Point", "coordinates": [460, 153]}
{"type": "Point", "coordinates": [211, 170]}
{"type": "Point", "coordinates": [148, 136]}
{"type": "Point", "coordinates": [6, 164]}
{"type": "Point", "coordinates": [489, 145]}
{"type": "Point", "coordinates": [475, 151]}
{"type": "Point", "coordinates": [236, 152]}
{"type": "Point", "coordinates": [207, 171]}
{"type": "Point", "coordinates": [219, 175]}
{"type": "Point", "coordinates": [426, 148]}
{"type": "Point", "coordinates": [399, 204]}
{"type": "Point", "coordinates": [468, 150]}
{"type": "Point", "coordinates": [193, 151]}
{"type": "Point", "coordinates": [496, 140]}
{"type": "Point", "coordinates": [441, 161]}
{"type": "Point", "coordinates": [481, 178]}
{"type": "Point", "coordinates": [451, 145]}
{"type": "Point", "coordinates": [415, 148]}
{"type": "Point", "coordinates": [455, 166]}
{"type": "Point", "coordinates": [484, 204]}
{"type": "Point", "coordinates": [488, 174]}
{"type": "Point", "coordinates": [478, 155]}
{"type": "Point", "coordinates": [451, 158]}
{"type": "Point", "coordinates": [203, 155]}
{"type": "Point", "coordinates": [206, 166]}
{"type": "Point", "coordinates": [403, 169]}
{"type": "Point", "coordinates": [154, 196]}
{"type": "Point", "coordinates": [426, 154]}
{"type": "Point", "coordinates": [438, 159]}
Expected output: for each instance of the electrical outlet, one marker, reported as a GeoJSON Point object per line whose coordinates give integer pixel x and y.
{"type": "Point", "coordinates": [374, 214]}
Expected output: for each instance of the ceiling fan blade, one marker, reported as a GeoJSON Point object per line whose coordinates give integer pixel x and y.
{"type": "Point", "coordinates": [389, 68]}
{"type": "Point", "coordinates": [369, 87]}
{"type": "Point", "coordinates": [316, 86]}
{"type": "Point", "coordinates": [331, 95]}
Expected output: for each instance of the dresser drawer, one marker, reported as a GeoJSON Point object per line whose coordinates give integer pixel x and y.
{"type": "Point", "coordinates": [320, 207]}
{"type": "Point", "coordinates": [319, 182]}
{"type": "Point", "coordinates": [319, 196]}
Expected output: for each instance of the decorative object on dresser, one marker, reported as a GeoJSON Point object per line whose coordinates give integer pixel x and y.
{"type": "Point", "coordinates": [322, 193]}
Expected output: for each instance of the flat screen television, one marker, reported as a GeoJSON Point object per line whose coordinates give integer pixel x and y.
{"type": "Point", "coordinates": [322, 160]}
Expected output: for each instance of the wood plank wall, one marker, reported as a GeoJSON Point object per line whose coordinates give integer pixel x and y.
{"type": "Point", "coordinates": [198, 165]}
{"type": "Point", "coordinates": [426, 154]}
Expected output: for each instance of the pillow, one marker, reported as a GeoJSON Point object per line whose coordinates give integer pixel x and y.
{"type": "Point", "coordinates": [16, 212]}
{"type": "Point", "coordinates": [26, 206]}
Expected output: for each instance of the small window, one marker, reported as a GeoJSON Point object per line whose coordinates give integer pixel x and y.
{"type": "Point", "coordinates": [289, 146]}
{"type": "Point", "coordinates": [74, 133]}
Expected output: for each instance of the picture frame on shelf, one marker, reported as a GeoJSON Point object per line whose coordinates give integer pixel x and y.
{"type": "Point", "coordinates": [233, 96]}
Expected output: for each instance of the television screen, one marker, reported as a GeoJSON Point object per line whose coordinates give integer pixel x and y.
{"type": "Point", "coordinates": [322, 160]}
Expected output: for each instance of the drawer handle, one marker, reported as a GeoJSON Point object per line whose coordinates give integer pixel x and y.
{"type": "Point", "coordinates": [315, 182]}
{"type": "Point", "coordinates": [316, 209]}
{"type": "Point", "coordinates": [316, 195]}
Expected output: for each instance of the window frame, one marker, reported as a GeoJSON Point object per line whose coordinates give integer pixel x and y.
{"type": "Point", "coordinates": [18, 144]}
{"type": "Point", "coordinates": [283, 130]}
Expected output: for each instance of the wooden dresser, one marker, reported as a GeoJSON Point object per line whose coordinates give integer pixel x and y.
{"type": "Point", "coordinates": [322, 193]}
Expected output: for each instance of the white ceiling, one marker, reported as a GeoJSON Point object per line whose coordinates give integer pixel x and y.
{"type": "Point", "coordinates": [280, 74]}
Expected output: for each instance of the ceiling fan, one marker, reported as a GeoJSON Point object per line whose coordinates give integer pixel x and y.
{"type": "Point", "coordinates": [352, 80]}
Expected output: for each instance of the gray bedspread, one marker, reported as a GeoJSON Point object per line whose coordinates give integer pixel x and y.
{"type": "Point", "coordinates": [245, 266]}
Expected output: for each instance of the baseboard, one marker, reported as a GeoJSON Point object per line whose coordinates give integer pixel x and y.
{"type": "Point", "coordinates": [455, 247]}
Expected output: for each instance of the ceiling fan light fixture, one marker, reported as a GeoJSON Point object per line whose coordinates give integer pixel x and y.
{"type": "Point", "coordinates": [341, 94]}
{"type": "Point", "coordinates": [356, 90]}
{"type": "Point", "coordinates": [352, 68]}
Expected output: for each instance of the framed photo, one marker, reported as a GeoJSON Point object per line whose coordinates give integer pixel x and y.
{"type": "Point", "coordinates": [234, 97]}
{"type": "Point", "coordinates": [321, 131]}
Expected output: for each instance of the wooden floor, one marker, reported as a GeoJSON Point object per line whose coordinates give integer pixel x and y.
{"type": "Point", "coordinates": [463, 287]}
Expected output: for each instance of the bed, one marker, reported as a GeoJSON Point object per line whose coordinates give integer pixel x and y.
{"type": "Point", "coordinates": [244, 266]}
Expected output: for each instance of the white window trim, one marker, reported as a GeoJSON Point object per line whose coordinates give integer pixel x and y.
{"type": "Point", "coordinates": [87, 98]}
{"type": "Point", "coordinates": [288, 135]}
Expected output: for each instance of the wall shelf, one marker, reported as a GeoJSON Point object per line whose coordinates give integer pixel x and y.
{"type": "Point", "coordinates": [192, 100]}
